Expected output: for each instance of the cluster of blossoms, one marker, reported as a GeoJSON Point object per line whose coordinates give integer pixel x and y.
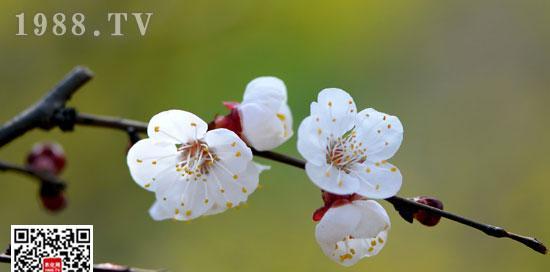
{"type": "Point", "coordinates": [197, 169]}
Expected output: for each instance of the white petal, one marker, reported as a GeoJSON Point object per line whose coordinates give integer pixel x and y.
{"type": "Point", "coordinates": [185, 197]}
{"type": "Point", "coordinates": [351, 232]}
{"type": "Point", "coordinates": [230, 190]}
{"type": "Point", "coordinates": [148, 159]}
{"type": "Point", "coordinates": [378, 180]}
{"type": "Point", "coordinates": [176, 126]}
{"type": "Point", "coordinates": [285, 117]}
{"type": "Point", "coordinates": [158, 212]}
{"type": "Point", "coordinates": [331, 179]}
{"type": "Point", "coordinates": [270, 92]}
{"type": "Point", "coordinates": [312, 141]}
{"type": "Point", "coordinates": [380, 133]}
{"type": "Point", "coordinates": [262, 127]}
{"type": "Point", "coordinates": [335, 111]}
{"type": "Point", "coordinates": [229, 148]}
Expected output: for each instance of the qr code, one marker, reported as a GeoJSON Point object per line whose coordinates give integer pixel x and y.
{"type": "Point", "coordinates": [51, 248]}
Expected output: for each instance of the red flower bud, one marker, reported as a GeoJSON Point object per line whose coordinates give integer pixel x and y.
{"type": "Point", "coordinates": [52, 197]}
{"type": "Point", "coordinates": [47, 157]}
{"type": "Point", "coordinates": [425, 217]}
{"type": "Point", "coordinates": [231, 121]}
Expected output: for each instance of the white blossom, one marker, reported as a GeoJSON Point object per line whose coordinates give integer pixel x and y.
{"type": "Point", "coordinates": [353, 231]}
{"type": "Point", "coordinates": [346, 150]}
{"type": "Point", "coordinates": [265, 116]}
{"type": "Point", "coordinates": [191, 171]}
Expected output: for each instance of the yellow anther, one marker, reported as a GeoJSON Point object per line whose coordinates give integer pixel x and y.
{"type": "Point", "coordinates": [345, 257]}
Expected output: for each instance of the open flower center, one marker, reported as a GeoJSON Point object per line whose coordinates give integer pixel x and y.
{"type": "Point", "coordinates": [344, 151]}
{"type": "Point", "coordinates": [195, 158]}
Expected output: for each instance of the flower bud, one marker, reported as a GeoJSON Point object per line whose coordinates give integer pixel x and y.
{"type": "Point", "coordinates": [427, 218]}
{"type": "Point", "coordinates": [52, 197]}
{"type": "Point", "coordinates": [231, 121]}
{"type": "Point", "coordinates": [47, 157]}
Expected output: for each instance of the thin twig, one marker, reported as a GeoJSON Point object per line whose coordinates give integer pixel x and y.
{"type": "Point", "coordinates": [403, 203]}
{"type": "Point", "coordinates": [397, 201]}
{"type": "Point", "coordinates": [40, 176]}
{"type": "Point", "coordinates": [85, 119]}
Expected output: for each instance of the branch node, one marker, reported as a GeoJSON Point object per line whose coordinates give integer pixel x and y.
{"type": "Point", "coordinates": [65, 118]}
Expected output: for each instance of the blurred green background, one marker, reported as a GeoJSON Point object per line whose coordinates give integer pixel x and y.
{"type": "Point", "coordinates": [468, 79]}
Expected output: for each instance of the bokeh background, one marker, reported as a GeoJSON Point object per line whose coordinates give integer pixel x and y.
{"type": "Point", "coordinates": [468, 79]}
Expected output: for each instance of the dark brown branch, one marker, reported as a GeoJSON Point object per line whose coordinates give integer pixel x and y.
{"type": "Point", "coordinates": [402, 203]}
{"type": "Point", "coordinates": [40, 176]}
{"type": "Point", "coordinates": [533, 243]}
{"type": "Point", "coordinates": [43, 113]}
{"type": "Point", "coordinates": [398, 202]}
{"type": "Point", "coordinates": [85, 119]}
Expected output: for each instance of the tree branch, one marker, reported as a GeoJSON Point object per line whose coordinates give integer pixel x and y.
{"type": "Point", "coordinates": [41, 176]}
{"type": "Point", "coordinates": [43, 113]}
{"type": "Point", "coordinates": [400, 203]}
{"type": "Point", "coordinates": [126, 125]}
